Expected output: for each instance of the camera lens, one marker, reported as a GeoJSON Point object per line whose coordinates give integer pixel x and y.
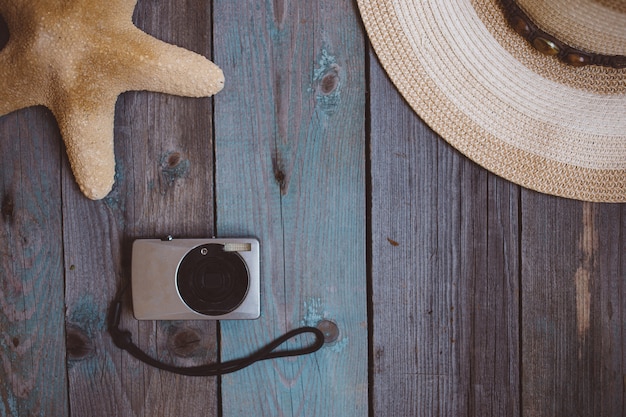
{"type": "Point", "coordinates": [211, 281]}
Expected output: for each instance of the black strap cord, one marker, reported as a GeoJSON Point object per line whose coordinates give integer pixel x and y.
{"type": "Point", "coordinates": [123, 340]}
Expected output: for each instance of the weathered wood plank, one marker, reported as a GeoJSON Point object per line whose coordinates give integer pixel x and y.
{"type": "Point", "coordinates": [164, 186]}
{"type": "Point", "coordinates": [573, 291]}
{"type": "Point", "coordinates": [291, 171]}
{"type": "Point", "coordinates": [32, 338]}
{"type": "Point", "coordinates": [444, 240]}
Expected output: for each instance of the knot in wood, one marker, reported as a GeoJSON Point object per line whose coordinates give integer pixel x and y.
{"type": "Point", "coordinates": [329, 82]}
{"type": "Point", "coordinates": [279, 173]}
{"type": "Point", "coordinates": [184, 342]}
{"type": "Point", "coordinates": [7, 208]}
{"type": "Point", "coordinates": [330, 330]}
{"type": "Point", "coordinates": [173, 159]}
{"type": "Point", "coordinates": [78, 344]}
{"type": "Point", "coordinates": [174, 167]}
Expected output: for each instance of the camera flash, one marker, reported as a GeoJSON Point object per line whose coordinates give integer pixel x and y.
{"type": "Point", "coordinates": [237, 247]}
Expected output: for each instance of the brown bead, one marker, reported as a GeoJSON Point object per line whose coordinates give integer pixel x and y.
{"type": "Point", "coordinates": [618, 61]}
{"type": "Point", "coordinates": [545, 46]}
{"type": "Point", "coordinates": [576, 59]}
{"type": "Point", "coordinates": [520, 25]}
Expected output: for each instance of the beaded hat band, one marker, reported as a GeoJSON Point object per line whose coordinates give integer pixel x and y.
{"type": "Point", "coordinates": [549, 44]}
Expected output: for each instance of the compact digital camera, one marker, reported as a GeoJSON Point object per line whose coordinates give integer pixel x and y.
{"type": "Point", "coordinates": [206, 279]}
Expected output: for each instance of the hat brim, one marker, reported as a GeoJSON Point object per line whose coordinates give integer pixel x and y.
{"type": "Point", "coordinates": [526, 117]}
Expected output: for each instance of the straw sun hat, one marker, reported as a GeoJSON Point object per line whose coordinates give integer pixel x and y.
{"type": "Point", "coordinates": [511, 100]}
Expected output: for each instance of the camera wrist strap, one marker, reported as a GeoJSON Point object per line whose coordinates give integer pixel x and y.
{"type": "Point", "coordinates": [123, 340]}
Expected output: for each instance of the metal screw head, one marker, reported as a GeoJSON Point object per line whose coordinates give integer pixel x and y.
{"type": "Point", "coordinates": [204, 251]}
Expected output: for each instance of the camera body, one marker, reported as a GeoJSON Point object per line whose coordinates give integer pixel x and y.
{"type": "Point", "coordinates": [196, 279]}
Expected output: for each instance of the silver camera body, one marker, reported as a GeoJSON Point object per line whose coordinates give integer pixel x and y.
{"type": "Point", "coordinates": [196, 279]}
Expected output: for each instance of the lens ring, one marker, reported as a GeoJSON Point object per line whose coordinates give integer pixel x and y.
{"type": "Point", "coordinates": [211, 281]}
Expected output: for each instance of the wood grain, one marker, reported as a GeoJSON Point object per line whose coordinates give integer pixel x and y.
{"type": "Point", "coordinates": [486, 300]}
{"type": "Point", "coordinates": [32, 340]}
{"type": "Point", "coordinates": [291, 171]}
{"type": "Point", "coordinates": [164, 185]}
{"type": "Point", "coordinates": [444, 272]}
{"type": "Point", "coordinates": [573, 269]}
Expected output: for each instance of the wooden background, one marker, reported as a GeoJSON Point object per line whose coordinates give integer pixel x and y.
{"type": "Point", "coordinates": [455, 292]}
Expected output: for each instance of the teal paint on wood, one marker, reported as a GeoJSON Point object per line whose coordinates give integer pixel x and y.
{"type": "Point", "coordinates": [164, 185]}
{"type": "Point", "coordinates": [32, 338]}
{"type": "Point", "coordinates": [290, 155]}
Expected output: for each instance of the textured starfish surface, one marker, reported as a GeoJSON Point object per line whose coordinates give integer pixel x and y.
{"type": "Point", "coordinates": [76, 57]}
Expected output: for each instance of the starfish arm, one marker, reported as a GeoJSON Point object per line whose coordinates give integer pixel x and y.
{"type": "Point", "coordinates": [162, 67]}
{"type": "Point", "coordinates": [88, 136]}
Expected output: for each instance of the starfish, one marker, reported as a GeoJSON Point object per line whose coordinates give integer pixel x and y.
{"type": "Point", "coordinates": [76, 57]}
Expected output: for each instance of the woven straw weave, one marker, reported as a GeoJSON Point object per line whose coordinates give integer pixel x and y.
{"type": "Point", "coordinates": [524, 116]}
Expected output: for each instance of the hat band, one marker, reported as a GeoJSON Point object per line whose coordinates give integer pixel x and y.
{"type": "Point", "coordinates": [550, 45]}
